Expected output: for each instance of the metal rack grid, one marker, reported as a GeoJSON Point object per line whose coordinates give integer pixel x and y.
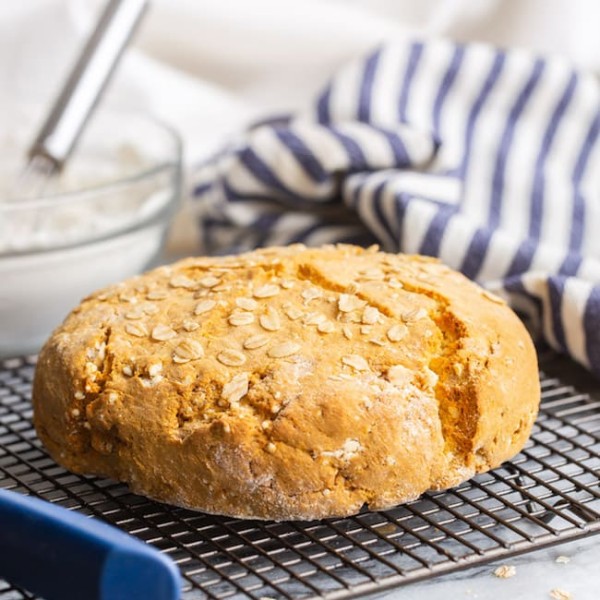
{"type": "Point", "coordinates": [549, 493]}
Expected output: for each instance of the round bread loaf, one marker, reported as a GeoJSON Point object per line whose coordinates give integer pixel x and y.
{"type": "Point", "coordinates": [288, 383]}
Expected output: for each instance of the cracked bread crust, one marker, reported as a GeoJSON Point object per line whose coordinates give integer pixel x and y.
{"type": "Point", "coordinates": [288, 383]}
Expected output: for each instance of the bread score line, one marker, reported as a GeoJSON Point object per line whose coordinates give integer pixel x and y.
{"type": "Point", "coordinates": [288, 383]}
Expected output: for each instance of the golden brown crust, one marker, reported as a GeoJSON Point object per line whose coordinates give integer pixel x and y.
{"type": "Point", "coordinates": [288, 383]}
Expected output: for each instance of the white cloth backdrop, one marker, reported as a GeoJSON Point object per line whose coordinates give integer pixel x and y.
{"type": "Point", "coordinates": [210, 66]}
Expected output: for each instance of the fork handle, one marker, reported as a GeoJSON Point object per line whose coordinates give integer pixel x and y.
{"type": "Point", "coordinates": [86, 82]}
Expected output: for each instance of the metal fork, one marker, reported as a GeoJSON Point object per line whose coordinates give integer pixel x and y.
{"type": "Point", "coordinates": [79, 95]}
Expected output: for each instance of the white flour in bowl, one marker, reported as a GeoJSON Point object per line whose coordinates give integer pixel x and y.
{"type": "Point", "coordinates": [53, 253]}
{"type": "Point", "coordinates": [102, 221]}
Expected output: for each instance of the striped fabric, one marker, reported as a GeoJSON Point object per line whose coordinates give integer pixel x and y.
{"type": "Point", "coordinates": [488, 159]}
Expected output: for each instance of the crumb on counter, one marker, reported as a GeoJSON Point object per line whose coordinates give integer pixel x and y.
{"type": "Point", "coordinates": [505, 571]}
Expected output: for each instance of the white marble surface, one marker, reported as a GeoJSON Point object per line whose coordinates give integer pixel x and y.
{"type": "Point", "coordinates": [536, 575]}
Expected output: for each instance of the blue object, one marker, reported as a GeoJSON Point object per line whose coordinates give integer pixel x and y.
{"type": "Point", "coordinates": [62, 555]}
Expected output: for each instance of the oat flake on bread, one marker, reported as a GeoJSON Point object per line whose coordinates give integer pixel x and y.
{"type": "Point", "coordinates": [288, 383]}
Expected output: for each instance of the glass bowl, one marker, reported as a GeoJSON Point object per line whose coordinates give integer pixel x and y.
{"type": "Point", "coordinates": [105, 219]}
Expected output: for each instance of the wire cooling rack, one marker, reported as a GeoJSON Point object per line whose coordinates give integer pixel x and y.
{"type": "Point", "coordinates": [548, 494]}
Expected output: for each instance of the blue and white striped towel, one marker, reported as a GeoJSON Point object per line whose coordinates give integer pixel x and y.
{"type": "Point", "coordinates": [488, 159]}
